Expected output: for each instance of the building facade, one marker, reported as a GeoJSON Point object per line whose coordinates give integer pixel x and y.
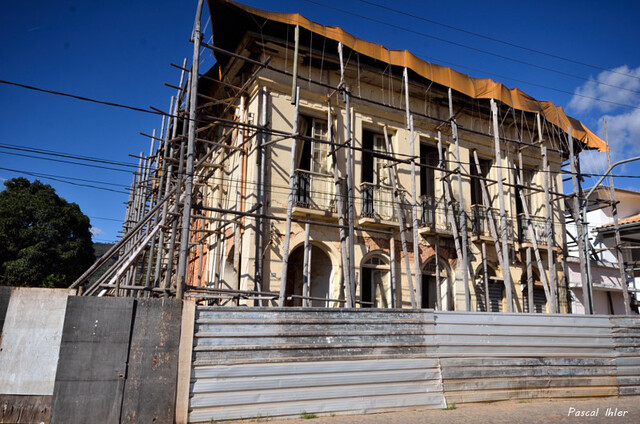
{"type": "Point", "coordinates": [607, 280]}
{"type": "Point", "coordinates": [375, 186]}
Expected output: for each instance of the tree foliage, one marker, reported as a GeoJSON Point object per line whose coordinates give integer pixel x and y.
{"type": "Point", "coordinates": [44, 240]}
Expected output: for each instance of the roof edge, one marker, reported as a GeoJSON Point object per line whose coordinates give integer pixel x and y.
{"type": "Point", "coordinates": [477, 88]}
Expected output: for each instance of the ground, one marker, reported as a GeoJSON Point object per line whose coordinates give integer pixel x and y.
{"type": "Point", "coordinates": [507, 412]}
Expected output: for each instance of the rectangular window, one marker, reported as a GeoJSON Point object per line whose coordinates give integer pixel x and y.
{"type": "Point", "coordinates": [428, 160]}
{"type": "Point", "coordinates": [476, 184]}
{"type": "Point", "coordinates": [374, 168]}
{"type": "Point", "coordinates": [319, 150]}
{"type": "Point", "coordinates": [525, 188]}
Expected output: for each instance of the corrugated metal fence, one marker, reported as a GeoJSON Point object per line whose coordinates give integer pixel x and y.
{"type": "Point", "coordinates": [626, 339]}
{"type": "Point", "coordinates": [253, 362]}
{"type": "Point", "coordinates": [488, 357]}
{"type": "Point", "coordinates": [285, 362]}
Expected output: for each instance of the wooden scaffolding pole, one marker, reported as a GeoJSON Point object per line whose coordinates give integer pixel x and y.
{"type": "Point", "coordinates": [529, 280]}
{"type": "Point", "coordinates": [306, 267]}
{"type": "Point", "coordinates": [577, 216]}
{"type": "Point", "coordinates": [350, 196]}
{"type": "Point", "coordinates": [152, 246]}
{"type": "Point", "coordinates": [292, 183]}
{"type": "Point", "coordinates": [417, 274]}
{"type": "Point", "coordinates": [553, 304]}
{"type": "Point", "coordinates": [446, 184]}
{"type": "Point", "coordinates": [344, 256]}
{"type": "Point", "coordinates": [532, 232]}
{"type": "Point", "coordinates": [438, 289]}
{"type": "Point", "coordinates": [486, 201]}
{"type": "Point", "coordinates": [506, 272]}
{"type": "Point", "coordinates": [399, 216]}
{"type": "Point", "coordinates": [462, 212]}
{"type": "Point", "coordinates": [349, 239]}
{"type": "Point", "coordinates": [260, 230]}
{"type": "Point", "coordinates": [616, 226]}
{"type": "Point", "coordinates": [176, 203]}
{"type": "Point", "coordinates": [188, 186]}
{"type": "Point", "coordinates": [392, 267]}
{"type": "Point", "coordinates": [485, 275]}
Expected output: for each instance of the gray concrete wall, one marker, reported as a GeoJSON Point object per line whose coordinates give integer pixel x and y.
{"type": "Point", "coordinates": [31, 340]}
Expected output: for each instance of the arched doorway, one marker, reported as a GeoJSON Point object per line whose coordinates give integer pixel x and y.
{"type": "Point", "coordinates": [430, 286]}
{"type": "Point", "coordinates": [539, 296]}
{"type": "Point", "coordinates": [320, 277]}
{"type": "Point", "coordinates": [375, 287]}
{"type": "Point", "coordinates": [495, 286]}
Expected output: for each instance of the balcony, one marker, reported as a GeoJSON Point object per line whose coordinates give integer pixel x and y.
{"type": "Point", "coordinates": [481, 226]}
{"type": "Point", "coordinates": [377, 202]}
{"type": "Point", "coordinates": [433, 217]}
{"type": "Point", "coordinates": [480, 221]}
{"type": "Point", "coordinates": [539, 228]}
{"type": "Point", "coordinates": [314, 191]}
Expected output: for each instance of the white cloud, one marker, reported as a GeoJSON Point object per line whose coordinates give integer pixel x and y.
{"type": "Point", "coordinates": [623, 123]}
{"type": "Point", "coordinates": [609, 90]}
{"type": "Point", "coordinates": [96, 231]}
{"type": "Point", "coordinates": [593, 162]}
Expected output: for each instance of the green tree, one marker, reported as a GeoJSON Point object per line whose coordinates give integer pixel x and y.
{"type": "Point", "coordinates": [44, 240]}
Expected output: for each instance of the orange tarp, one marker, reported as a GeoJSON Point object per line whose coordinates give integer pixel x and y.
{"type": "Point", "coordinates": [477, 88]}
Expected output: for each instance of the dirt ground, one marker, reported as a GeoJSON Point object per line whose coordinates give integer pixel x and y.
{"type": "Point", "coordinates": [507, 412]}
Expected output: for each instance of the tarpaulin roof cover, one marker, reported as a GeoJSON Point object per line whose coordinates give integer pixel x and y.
{"type": "Point", "coordinates": [477, 88]}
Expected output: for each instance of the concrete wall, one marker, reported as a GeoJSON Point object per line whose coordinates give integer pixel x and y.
{"type": "Point", "coordinates": [607, 291]}
{"type": "Point", "coordinates": [31, 340]}
{"type": "Point", "coordinates": [70, 359]}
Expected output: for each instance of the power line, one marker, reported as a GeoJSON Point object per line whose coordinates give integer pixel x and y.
{"type": "Point", "coordinates": [66, 155]}
{"type": "Point", "coordinates": [49, 177]}
{"type": "Point", "coordinates": [69, 178]}
{"type": "Point", "coordinates": [106, 219]}
{"type": "Point", "coordinates": [65, 161]}
{"type": "Point", "coordinates": [83, 98]}
{"type": "Point", "coordinates": [497, 40]}
{"type": "Point", "coordinates": [423, 34]}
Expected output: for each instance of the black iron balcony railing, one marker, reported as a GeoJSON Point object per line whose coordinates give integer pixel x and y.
{"type": "Point", "coordinates": [314, 191]}
{"type": "Point", "coordinates": [429, 208]}
{"type": "Point", "coordinates": [479, 220]}
{"type": "Point", "coordinates": [539, 228]}
{"type": "Point", "coordinates": [377, 201]}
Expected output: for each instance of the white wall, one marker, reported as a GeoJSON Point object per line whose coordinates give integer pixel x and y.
{"type": "Point", "coordinates": [31, 340]}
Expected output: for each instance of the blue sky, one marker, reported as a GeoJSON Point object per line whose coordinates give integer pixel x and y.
{"type": "Point", "coordinates": [121, 52]}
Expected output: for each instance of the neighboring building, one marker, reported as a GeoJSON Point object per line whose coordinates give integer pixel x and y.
{"type": "Point", "coordinates": [246, 252]}
{"type": "Point", "coordinates": [605, 272]}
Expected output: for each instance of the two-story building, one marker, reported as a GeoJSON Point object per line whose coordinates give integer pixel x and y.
{"type": "Point", "coordinates": [387, 182]}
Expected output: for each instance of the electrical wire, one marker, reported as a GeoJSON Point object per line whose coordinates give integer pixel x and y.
{"type": "Point", "coordinates": [424, 34]}
{"type": "Point", "coordinates": [497, 40]}
{"type": "Point", "coordinates": [66, 155]}
{"type": "Point", "coordinates": [49, 177]}
{"type": "Point", "coordinates": [493, 54]}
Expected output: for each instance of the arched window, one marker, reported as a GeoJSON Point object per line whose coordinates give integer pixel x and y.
{"type": "Point", "coordinates": [375, 287]}
{"type": "Point", "coordinates": [495, 289]}
{"type": "Point", "coordinates": [539, 296]}
{"type": "Point", "coordinates": [430, 286]}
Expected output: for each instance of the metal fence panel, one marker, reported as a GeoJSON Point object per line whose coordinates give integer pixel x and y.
{"type": "Point", "coordinates": [93, 360]}
{"type": "Point", "coordinates": [626, 339]}
{"type": "Point", "coordinates": [150, 390]}
{"type": "Point", "coordinates": [283, 362]}
{"type": "Point", "coordinates": [488, 357]}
